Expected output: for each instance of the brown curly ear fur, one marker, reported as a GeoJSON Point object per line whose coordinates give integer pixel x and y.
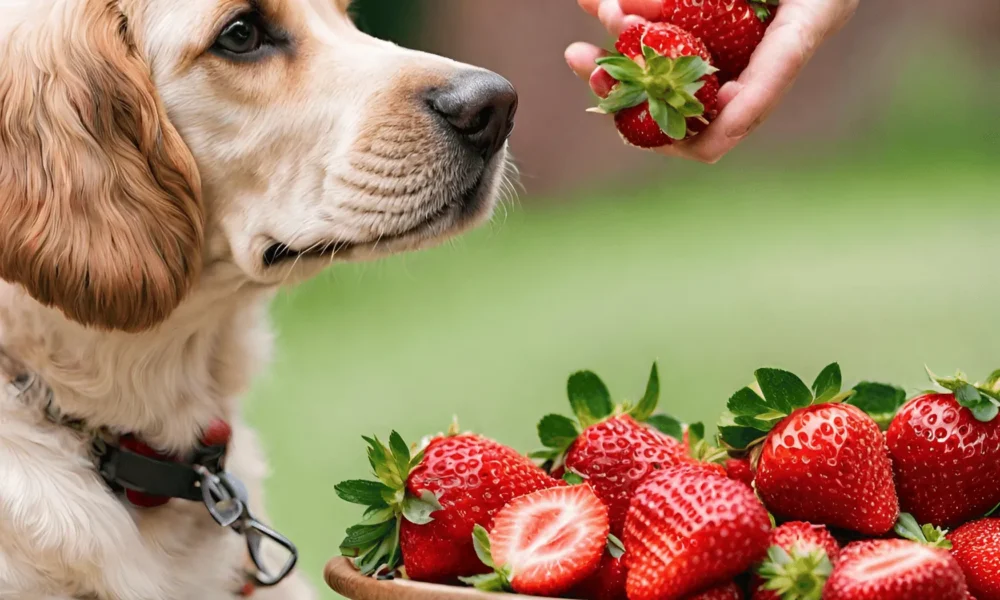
{"type": "Point", "coordinates": [100, 207]}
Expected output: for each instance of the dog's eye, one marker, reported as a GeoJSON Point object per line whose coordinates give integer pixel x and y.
{"type": "Point", "coordinates": [242, 35]}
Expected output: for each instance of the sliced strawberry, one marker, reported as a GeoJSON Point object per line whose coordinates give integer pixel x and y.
{"type": "Point", "coordinates": [895, 570]}
{"type": "Point", "coordinates": [423, 508]}
{"type": "Point", "coordinates": [544, 543]}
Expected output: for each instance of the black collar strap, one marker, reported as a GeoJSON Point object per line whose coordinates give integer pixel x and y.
{"type": "Point", "coordinates": [134, 469]}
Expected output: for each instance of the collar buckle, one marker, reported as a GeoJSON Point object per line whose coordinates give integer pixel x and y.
{"type": "Point", "coordinates": [227, 501]}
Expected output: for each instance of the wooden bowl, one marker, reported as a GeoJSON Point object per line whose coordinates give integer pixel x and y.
{"type": "Point", "coordinates": [344, 579]}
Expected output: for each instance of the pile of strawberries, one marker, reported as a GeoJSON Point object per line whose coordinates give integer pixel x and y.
{"type": "Point", "coordinates": [809, 493]}
{"type": "Point", "coordinates": [662, 85]}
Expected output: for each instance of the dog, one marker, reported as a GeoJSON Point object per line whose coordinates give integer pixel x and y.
{"type": "Point", "coordinates": [165, 167]}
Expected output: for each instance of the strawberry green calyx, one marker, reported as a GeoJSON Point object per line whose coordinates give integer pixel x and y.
{"type": "Point", "coordinates": [668, 84]}
{"type": "Point", "coordinates": [755, 410]}
{"type": "Point", "coordinates": [591, 403]}
{"type": "Point", "coordinates": [374, 542]}
{"type": "Point", "coordinates": [927, 535]}
{"type": "Point", "coordinates": [983, 399]}
{"type": "Point", "coordinates": [798, 575]}
{"type": "Point", "coordinates": [763, 8]}
{"type": "Point", "coordinates": [497, 581]}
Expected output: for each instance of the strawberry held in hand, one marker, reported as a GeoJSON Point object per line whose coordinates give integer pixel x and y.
{"type": "Point", "coordinates": [543, 543]}
{"type": "Point", "coordinates": [666, 88]}
{"type": "Point", "coordinates": [731, 29]}
{"type": "Point", "coordinates": [689, 529]}
{"type": "Point", "coordinates": [946, 453]}
{"type": "Point", "coordinates": [432, 502]}
{"type": "Point", "coordinates": [821, 460]}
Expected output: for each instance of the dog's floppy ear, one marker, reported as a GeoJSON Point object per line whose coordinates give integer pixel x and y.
{"type": "Point", "coordinates": [100, 200]}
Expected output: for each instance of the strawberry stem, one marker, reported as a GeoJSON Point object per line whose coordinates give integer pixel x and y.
{"type": "Point", "coordinates": [927, 535]}
{"type": "Point", "coordinates": [797, 575]}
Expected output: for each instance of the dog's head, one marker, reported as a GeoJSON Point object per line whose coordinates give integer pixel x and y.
{"type": "Point", "coordinates": [142, 141]}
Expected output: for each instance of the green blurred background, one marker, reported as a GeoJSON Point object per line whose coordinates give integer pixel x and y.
{"type": "Point", "coordinates": [859, 225]}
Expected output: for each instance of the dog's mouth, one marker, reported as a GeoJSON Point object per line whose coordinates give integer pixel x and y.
{"type": "Point", "coordinates": [465, 204]}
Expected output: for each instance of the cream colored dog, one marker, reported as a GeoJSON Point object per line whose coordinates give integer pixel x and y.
{"type": "Point", "coordinates": [165, 166]}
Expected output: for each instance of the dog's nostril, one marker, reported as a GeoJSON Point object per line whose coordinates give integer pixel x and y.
{"type": "Point", "coordinates": [479, 106]}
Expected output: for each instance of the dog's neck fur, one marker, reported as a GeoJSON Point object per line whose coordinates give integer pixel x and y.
{"type": "Point", "coordinates": [163, 385]}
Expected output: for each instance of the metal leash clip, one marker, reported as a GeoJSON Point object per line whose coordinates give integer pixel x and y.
{"type": "Point", "coordinates": [227, 501]}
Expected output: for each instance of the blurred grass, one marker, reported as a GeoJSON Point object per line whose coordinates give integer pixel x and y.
{"type": "Point", "coordinates": [884, 265]}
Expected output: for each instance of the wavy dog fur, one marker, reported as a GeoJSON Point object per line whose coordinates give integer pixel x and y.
{"type": "Point", "coordinates": [143, 176]}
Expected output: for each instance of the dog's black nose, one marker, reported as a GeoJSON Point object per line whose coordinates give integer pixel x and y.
{"type": "Point", "coordinates": [479, 106]}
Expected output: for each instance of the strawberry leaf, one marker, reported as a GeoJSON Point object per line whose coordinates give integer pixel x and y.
{"type": "Point", "coordinates": [747, 402]}
{"type": "Point", "coordinates": [649, 53]}
{"type": "Point", "coordinates": [481, 542]}
{"type": "Point", "coordinates": [363, 535]}
{"type": "Point", "coordinates": [365, 493]}
{"type": "Point", "coordinates": [738, 437]}
{"type": "Point", "coordinates": [419, 510]}
{"type": "Point", "coordinates": [645, 408]}
{"type": "Point", "coordinates": [828, 383]}
{"type": "Point", "coordinates": [667, 425]}
{"type": "Point", "coordinates": [400, 452]}
{"type": "Point", "coordinates": [995, 511]}
{"type": "Point", "coordinates": [671, 122]}
{"type": "Point", "coordinates": [624, 95]}
{"type": "Point", "coordinates": [589, 397]}
{"type": "Point", "coordinates": [696, 432]}
{"type": "Point", "coordinates": [573, 478]}
{"type": "Point", "coordinates": [927, 535]}
{"type": "Point", "coordinates": [615, 547]}
{"type": "Point", "coordinates": [879, 400]}
{"type": "Point", "coordinates": [983, 407]}
{"type": "Point", "coordinates": [783, 391]}
{"type": "Point", "coordinates": [620, 67]}
{"type": "Point", "coordinates": [557, 432]}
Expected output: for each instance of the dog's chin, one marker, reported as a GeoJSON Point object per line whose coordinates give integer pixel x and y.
{"type": "Point", "coordinates": [462, 213]}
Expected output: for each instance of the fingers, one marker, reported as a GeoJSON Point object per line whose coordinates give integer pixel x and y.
{"type": "Point", "coordinates": [647, 9]}
{"type": "Point", "coordinates": [581, 58]}
{"type": "Point", "coordinates": [789, 44]}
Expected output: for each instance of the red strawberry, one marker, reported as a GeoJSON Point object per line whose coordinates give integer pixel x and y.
{"type": "Point", "coordinates": [616, 448]}
{"type": "Point", "coordinates": [729, 591]}
{"type": "Point", "coordinates": [976, 547]}
{"type": "Point", "coordinates": [607, 583]}
{"type": "Point", "coordinates": [800, 561]}
{"type": "Point", "coordinates": [821, 461]}
{"type": "Point", "coordinates": [666, 89]}
{"type": "Point", "coordinates": [829, 464]}
{"type": "Point", "coordinates": [947, 461]}
{"type": "Point", "coordinates": [687, 530]}
{"type": "Point", "coordinates": [740, 469]}
{"type": "Point", "coordinates": [731, 29]}
{"type": "Point", "coordinates": [435, 499]}
{"type": "Point", "coordinates": [895, 570]}
{"type": "Point", "coordinates": [543, 543]}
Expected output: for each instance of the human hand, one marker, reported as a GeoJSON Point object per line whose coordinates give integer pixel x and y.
{"type": "Point", "coordinates": [799, 28]}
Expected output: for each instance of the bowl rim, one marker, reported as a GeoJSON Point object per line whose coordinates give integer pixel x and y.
{"type": "Point", "coordinates": [345, 579]}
